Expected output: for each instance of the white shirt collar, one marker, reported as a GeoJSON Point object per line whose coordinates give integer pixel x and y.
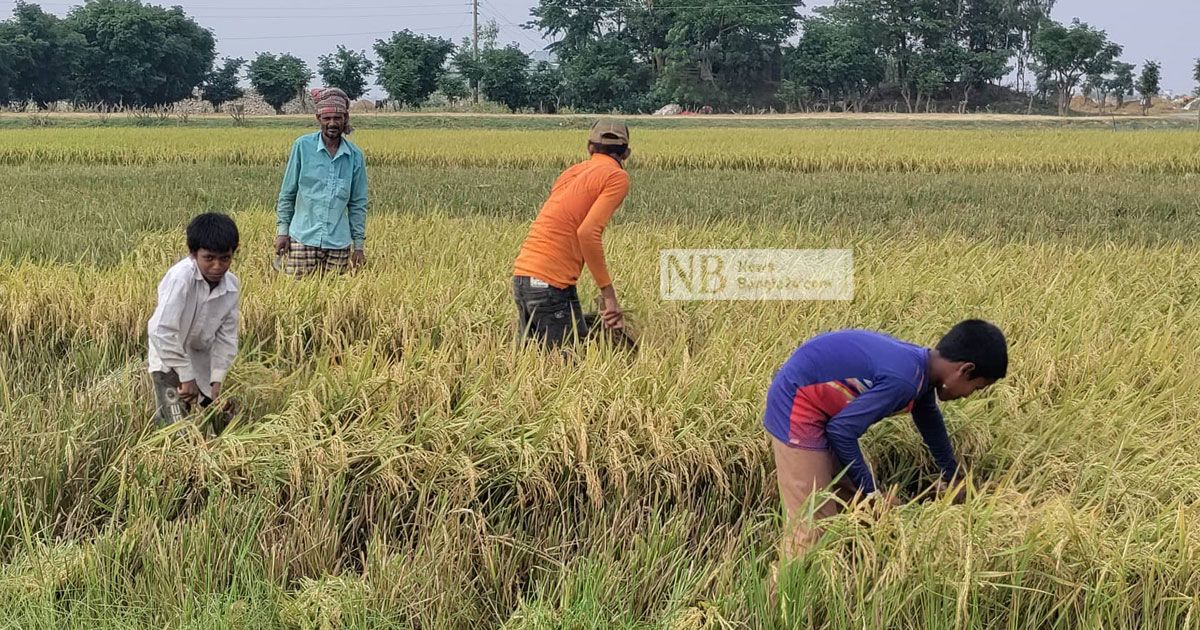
{"type": "Point", "coordinates": [223, 287]}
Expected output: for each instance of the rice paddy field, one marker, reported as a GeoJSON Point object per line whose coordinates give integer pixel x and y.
{"type": "Point", "coordinates": [401, 463]}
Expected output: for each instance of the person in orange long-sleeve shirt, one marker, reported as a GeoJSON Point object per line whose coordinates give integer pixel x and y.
{"type": "Point", "coordinates": [566, 236]}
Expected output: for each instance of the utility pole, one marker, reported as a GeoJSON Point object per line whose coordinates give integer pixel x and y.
{"type": "Point", "coordinates": [475, 45]}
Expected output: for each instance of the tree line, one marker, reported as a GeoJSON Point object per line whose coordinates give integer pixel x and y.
{"type": "Point", "coordinates": [627, 55]}
{"type": "Point", "coordinates": [124, 52]}
{"type": "Point", "coordinates": [731, 54]}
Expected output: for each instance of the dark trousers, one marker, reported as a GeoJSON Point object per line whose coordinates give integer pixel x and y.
{"type": "Point", "coordinates": [548, 314]}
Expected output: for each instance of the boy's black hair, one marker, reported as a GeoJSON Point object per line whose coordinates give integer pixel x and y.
{"type": "Point", "coordinates": [611, 150]}
{"type": "Point", "coordinates": [213, 231]}
{"type": "Point", "coordinates": [979, 342]}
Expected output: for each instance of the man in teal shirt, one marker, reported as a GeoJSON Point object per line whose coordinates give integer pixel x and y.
{"type": "Point", "coordinates": [322, 208]}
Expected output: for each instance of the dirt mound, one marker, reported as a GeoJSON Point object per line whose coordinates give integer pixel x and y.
{"type": "Point", "coordinates": [1131, 107]}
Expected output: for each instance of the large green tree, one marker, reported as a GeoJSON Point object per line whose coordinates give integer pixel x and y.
{"type": "Point", "coordinates": [1120, 84]}
{"type": "Point", "coordinates": [934, 48]}
{"type": "Point", "coordinates": [988, 36]}
{"type": "Point", "coordinates": [723, 52]}
{"type": "Point", "coordinates": [39, 57]}
{"type": "Point", "coordinates": [411, 65]}
{"type": "Point", "coordinates": [1027, 18]}
{"type": "Point", "coordinates": [346, 70]}
{"type": "Point", "coordinates": [834, 63]}
{"type": "Point", "coordinates": [1095, 86]}
{"type": "Point", "coordinates": [466, 64]}
{"type": "Point", "coordinates": [504, 76]}
{"type": "Point", "coordinates": [278, 79]}
{"type": "Point", "coordinates": [896, 30]}
{"type": "Point", "coordinates": [501, 73]}
{"type": "Point", "coordinates": [1065, 53]}
{"type": "Point", "coordinates": [719, 52]}
{"type": "Point", "coordinates": [545, 88]}
{"type": "Point", "coordinates": [603, 75]}
{"type": "Point", "coordinates": [454, 87]}
{"type": "Point", "coordinates": [139, 54]}
{"type": "Point", "coordinates": [576, 23]}
{"type": "Point", "coordinates": [1149, 84]}
{"type": "Point", "coordinates": [465, 60]}
{"type": "Point", "coordinates": [221, 85]}
{"type": "Point", "coordinates": [1096, 71]}
{"type": "Point", "coordinates": [10, 52]}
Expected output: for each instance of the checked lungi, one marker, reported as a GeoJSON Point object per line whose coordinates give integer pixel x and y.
{"type": "Point", "coordinates": [304, 259]}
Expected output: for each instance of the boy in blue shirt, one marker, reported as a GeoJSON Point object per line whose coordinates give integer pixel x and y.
{"type": "Point", "coordinates": [836, 385]}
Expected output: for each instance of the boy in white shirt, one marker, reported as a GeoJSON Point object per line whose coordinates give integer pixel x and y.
{"type": "Point", "coordinates": [193, 332]}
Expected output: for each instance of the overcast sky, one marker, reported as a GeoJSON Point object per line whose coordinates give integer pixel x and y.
{"type": "Point", "coordinates": [1165, 30]}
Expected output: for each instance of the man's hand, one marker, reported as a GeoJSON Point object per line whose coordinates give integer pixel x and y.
{"type": "Point", "coordinates": [358, 258]}
{"type": "Point", "coordinates": [282, 243]}
{"type": "Point", "coordinates": [216, 390]}
{"type": "Point", "coordinates": [189, 392]}
{"type": "Point", "coordinates": [613, 316]}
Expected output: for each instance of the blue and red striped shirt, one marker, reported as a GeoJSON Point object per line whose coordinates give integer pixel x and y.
{"type": "Point", "coordinates": [836, 385]}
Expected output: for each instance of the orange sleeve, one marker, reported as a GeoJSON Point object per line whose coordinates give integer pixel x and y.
{"type": "Point", "coordinates": [616, 186]}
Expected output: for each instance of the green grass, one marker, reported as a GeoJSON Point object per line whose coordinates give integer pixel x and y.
{"type": "Point", "coordinates": [401, 463]}
{"type": "Point", "coordinates": [98, 215]}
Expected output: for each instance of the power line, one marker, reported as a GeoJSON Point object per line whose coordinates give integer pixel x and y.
{"type": "Point", "coordinates": [325, 17]}
{"type": "Point", "coordinates": [430, 28]}
{"type": "Point", "coordinates": [520, 30]}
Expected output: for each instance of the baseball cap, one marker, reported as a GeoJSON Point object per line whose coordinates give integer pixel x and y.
{"type": "Point", "coordinates": [610, 132]}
